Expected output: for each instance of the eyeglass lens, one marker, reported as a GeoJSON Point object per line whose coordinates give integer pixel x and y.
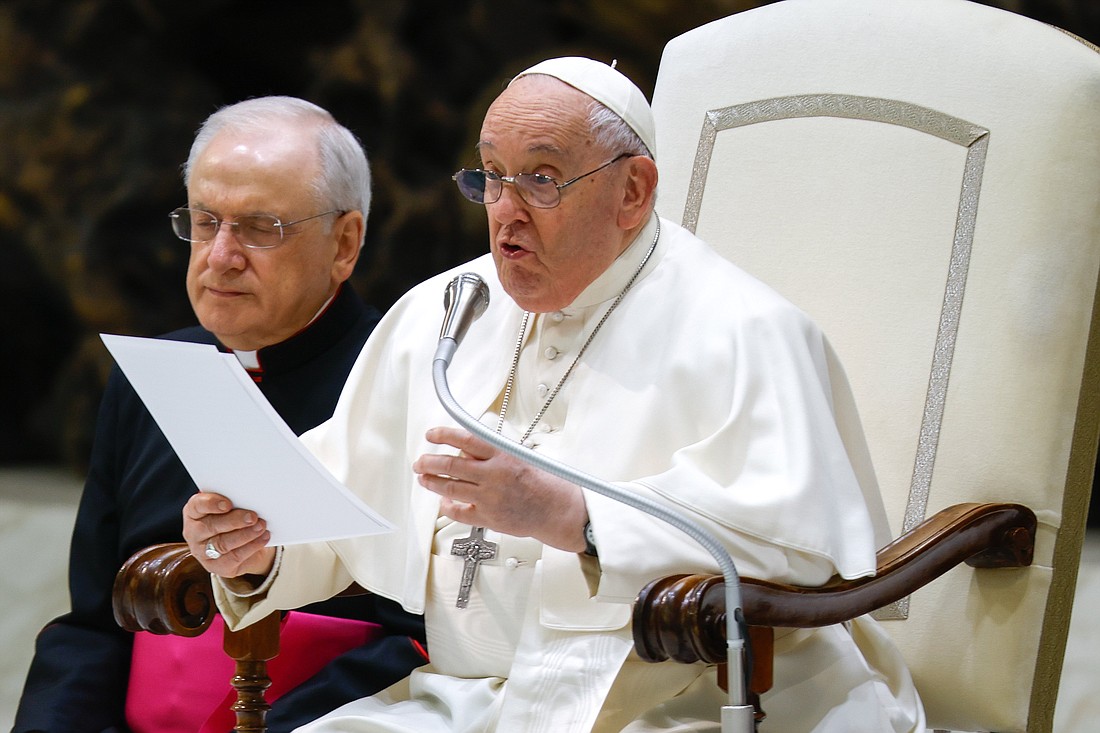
{"type": "Point", "coordinates": [538, 190]}
{"type": "Point", "coordinates": [255, 230]}
{"type": "Point", "coordinates": [483, 187]}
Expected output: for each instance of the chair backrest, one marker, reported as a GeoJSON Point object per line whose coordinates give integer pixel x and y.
{"type": "Point", "coordinates": [923, 178]}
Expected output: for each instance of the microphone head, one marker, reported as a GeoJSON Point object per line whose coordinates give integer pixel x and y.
{"type": "Point", "coordinates": [465, 299]}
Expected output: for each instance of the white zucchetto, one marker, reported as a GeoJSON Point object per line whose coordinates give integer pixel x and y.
{"type": "Point", "coordinates": [607, 86]}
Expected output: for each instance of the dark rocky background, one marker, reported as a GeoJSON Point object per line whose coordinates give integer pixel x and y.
{"type": "Point", "coordinates": [99, 100]}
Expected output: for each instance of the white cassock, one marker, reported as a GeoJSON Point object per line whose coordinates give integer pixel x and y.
{"type": "Point", "coordinates": [704, 391]}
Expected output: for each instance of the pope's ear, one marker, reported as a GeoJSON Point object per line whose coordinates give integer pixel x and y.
{"type": "Point", "coordinates": [348, 232]}
{"type": "Point", "coordinates": [639, 190]}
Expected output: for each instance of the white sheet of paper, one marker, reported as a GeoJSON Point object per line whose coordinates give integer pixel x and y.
{"type": "Point", "coordinates": [231, 441]}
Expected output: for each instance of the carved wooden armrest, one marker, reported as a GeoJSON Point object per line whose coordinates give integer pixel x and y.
{"type": "Point", "coordinates": [683, 617]}
{"type": "Point", "coordinates": [164, 590]}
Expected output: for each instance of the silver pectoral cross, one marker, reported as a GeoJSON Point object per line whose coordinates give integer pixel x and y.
{"type": "Point", "coordinates": [475, 549]}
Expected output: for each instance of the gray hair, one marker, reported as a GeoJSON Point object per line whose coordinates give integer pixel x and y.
{"type": "Point", "coordinates": [612, 133]}
{"type": "Point", "coordinates": [344, 182]}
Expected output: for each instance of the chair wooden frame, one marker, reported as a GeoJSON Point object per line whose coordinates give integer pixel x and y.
{"type": "Point", "coordinates": [683, 617]}
{"type": "Point", "coordinates": [163, 589]}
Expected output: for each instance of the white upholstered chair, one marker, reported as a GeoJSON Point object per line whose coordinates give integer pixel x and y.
{"type": "Point", "coordinates": [923, 178]}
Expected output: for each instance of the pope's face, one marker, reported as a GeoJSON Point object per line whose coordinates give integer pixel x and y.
{"type": "Point", "coordinates": [546, 257]}
{"type": "Point", "coordinates": [251, 298]}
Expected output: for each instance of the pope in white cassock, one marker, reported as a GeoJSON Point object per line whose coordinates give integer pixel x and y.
{"type": "Point", "coordinates": [620, 344]}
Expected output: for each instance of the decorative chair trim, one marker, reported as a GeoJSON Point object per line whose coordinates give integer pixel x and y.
{"type": "Point", "coordinates": [922, 119]}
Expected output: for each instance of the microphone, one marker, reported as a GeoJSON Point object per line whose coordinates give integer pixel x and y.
{"type": "Point", "coordinates": [465, 300]}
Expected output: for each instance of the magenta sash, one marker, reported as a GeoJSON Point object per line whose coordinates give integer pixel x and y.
{"type": "Point", "coordinates": [181, 685]}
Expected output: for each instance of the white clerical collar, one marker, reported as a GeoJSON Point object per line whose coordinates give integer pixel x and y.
{"type": "Point", "coordinates": [248, 359]}
{"type": "Point", "coordinates": [612, 281]}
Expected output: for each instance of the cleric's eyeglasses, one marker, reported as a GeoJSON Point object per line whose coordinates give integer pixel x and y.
{"type": "Point", "coordinates": [256, 231]}
{"type": "Point", "coordinates": [538, 190]}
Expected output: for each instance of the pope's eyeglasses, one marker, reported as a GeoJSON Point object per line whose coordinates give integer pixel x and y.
{"type": "Point", "coordinates": [255, 231]}
{"type": "Point", "coordinates": [538, 190]}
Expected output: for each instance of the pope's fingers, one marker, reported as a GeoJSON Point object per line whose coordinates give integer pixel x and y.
{"type": "Point", "coordinates": [465, 441]}
{"type": "Point", "coordinates": [214, 549]}
{"type": "Point", "coordinates": [199, 530]}
{"type": "Point", "coordinates": [226, 543]}
{"type": "Point", "coordinates": [252, 557]}
{"type": "Point", "coordinates": [442, 465]}
{"type": "Point", "coordinates": [448, 487]}
{"type": "Point", "coordinates": [204, 503]}
{"type": "Point", "coordinates": [459, 511]}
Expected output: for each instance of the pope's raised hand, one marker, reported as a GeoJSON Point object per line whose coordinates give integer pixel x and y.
{"type": "Point", "coordinates": [486, 487]}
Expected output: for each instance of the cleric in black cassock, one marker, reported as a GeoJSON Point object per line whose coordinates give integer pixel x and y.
{"type": "Point", "coordinates": [290, 316]}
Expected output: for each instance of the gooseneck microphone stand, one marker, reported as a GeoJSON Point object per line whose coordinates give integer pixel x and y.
{"type": "Point", "coordinates": [465, 300]}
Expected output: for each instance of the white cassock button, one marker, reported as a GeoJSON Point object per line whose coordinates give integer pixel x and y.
{"type": "Point", "coordinates": [550, 353]}
{"type": "Point", "coordinates": [543, 427]}
{"type": "Point", "coordinates": [511, 563]}
{"type": "Point", "coordinates": [542, 390]}
{"type": "Point", "coordinates": [557, 316]}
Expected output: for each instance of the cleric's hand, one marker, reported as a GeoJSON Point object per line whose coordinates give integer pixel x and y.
{"type": "Point", "coordinates": [237, 537]}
